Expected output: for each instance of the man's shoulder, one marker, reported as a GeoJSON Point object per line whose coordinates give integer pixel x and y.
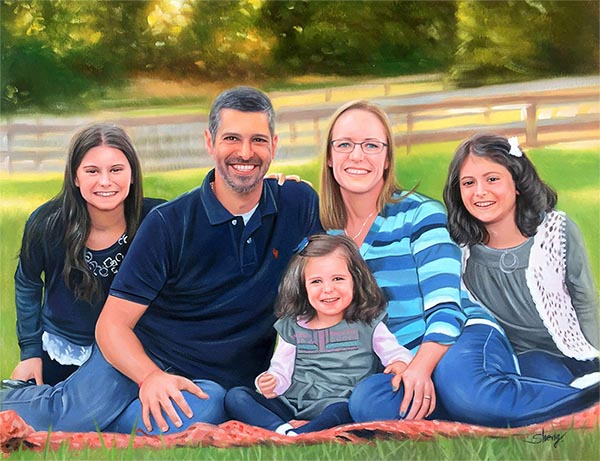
{"type": "Point", "coordinates": [295, 191]}
{"type": "Point", "coordinates": [183, 201]}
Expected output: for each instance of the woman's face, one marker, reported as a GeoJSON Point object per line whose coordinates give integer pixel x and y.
{"type": "Point", "coordinates": [357, 172]}
{"type": "Point", "coordinates": [104, 177]}
{"type": "Point", "coordinates": [488, 191]}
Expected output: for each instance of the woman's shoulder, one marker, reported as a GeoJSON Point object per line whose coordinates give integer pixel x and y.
{"type": "Point", "coordinates": [415, 202]}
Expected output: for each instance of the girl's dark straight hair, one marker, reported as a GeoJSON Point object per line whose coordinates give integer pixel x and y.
{"type": "Point", "coordinates": [66, 215]}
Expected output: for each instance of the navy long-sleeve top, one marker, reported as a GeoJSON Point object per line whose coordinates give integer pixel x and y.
{"type": "Point", "coordinates": [43, 300]}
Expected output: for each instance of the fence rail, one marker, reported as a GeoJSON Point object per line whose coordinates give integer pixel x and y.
{"type": "Point", "coordinates": [173, 142]}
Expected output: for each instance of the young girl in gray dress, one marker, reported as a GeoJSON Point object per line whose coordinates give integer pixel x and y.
{"type": "Point", "coordinates": [330, 335]}
{"type": "Point", "coordinates": [524, 260]}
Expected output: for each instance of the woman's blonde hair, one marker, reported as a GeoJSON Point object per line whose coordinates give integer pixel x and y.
{"type": "Point", "coordinates": [332, 210]}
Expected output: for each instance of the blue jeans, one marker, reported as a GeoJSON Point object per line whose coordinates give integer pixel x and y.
{"type": "Point", "coordinates": [97, 395]}
{"type": "Point", "coordinates": [54, 372]}
{"type": "Point", "coordinates": [248, 406]}
{"type": "Point", "coordinates": [478, 382]}
{"type": "Point", "coordinates": [542, 365]}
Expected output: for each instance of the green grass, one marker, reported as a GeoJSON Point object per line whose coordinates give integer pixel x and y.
{"type": "Point", "coordinates": [574, 174]}
{"type": "Point", "coordinates": [575, 445]}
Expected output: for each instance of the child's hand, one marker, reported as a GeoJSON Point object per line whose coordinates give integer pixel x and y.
{"type": "Point", "coordinates": [397, 368]}
{"type": "Point", "coordinates": [266, 383]}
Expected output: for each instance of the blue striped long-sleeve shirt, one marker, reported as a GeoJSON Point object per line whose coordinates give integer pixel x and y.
{"type": "Point", "coordinates": [418, 266]}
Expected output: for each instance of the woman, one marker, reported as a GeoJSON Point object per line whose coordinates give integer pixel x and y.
{"type": "Point", "coordinates": [403, 237]}
{"type": "Point", "coordinates": [502, 214]}
{"type": "Point", "coordinates": [72, 248]}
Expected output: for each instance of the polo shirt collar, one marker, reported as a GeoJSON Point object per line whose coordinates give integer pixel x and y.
{"type": "Point", "coordinates": [218, 214]}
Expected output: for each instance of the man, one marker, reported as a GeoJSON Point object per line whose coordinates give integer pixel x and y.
{"type": "Point", "coordinates": [194, 297]}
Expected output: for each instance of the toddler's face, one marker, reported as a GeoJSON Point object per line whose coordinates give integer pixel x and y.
{"type": "Point", "coordinates": [329, 286]}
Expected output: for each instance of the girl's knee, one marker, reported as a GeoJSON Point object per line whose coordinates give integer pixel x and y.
{"type": "Point", "coordinates": [237, 397]}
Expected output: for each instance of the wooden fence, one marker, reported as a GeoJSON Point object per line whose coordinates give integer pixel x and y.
{"type": "Point", "coordinates": [173, 142]}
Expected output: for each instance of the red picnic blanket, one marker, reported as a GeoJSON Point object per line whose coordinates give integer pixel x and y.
{"type": "Point", "coordinates": [14, 432]}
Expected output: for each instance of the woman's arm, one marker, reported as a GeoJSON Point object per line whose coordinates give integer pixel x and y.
{"type": "Point", "coordinates": [438, 264]}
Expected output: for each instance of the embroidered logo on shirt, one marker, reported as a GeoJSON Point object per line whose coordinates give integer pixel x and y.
{"type": "Point", "coordinates": [275, 253]}
{"type": "Point", "coordinates": [327, 341]}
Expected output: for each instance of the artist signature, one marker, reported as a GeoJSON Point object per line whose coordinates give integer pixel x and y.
{"type": "Point", "coordinates": [542, 437]}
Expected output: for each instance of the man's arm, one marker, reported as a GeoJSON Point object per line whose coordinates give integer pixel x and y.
{"type": "Point", "coordinates": [123, 350]}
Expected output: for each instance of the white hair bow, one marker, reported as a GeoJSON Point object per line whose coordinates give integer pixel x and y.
{"type": "Point", "coordinates": [514, 147]}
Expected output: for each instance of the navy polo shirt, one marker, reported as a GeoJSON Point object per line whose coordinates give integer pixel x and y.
{"type": "Point", "coordinates": [210, 281]}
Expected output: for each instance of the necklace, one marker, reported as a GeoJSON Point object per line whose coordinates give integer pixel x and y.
{"type": "Point", "coordinates": [361, 227]}
{"type": "Point", "coordinates": [508, 262]}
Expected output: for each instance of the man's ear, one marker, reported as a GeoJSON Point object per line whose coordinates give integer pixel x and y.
{"type": "Point", "coordinates": [208, 142]}
{"type": "Point", "coordinates": [274, 143]}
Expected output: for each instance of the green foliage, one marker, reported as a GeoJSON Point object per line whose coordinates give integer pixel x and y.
{"type": "Point", "coordinates": [56, 53]}
{"type": "Point", "coordinates": [506, 41]}
{"type": "Point", "coordinates": [357, 38]}
{"type": "Point", "coordinates": [24, 80]}
{"type": "Point", "coordinates": [224, 41]}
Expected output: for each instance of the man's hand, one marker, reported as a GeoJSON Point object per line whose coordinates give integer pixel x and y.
{"type": "Point", "coordinates": [266, 383]}
{"type": "Point", "coordinates": [158, 392]}
{"type": "Point", "coordinates": [29, 369]}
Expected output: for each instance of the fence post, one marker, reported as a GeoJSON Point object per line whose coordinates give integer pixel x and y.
{"type": "Point", "coordinates": [531, 124]}
{"type": "Point", "coordinates": [317, 131]}
{"type": "Point", "coordinates": [409, 129]}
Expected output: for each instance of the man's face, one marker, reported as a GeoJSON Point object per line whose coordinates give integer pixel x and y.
{"type": "Point", "coordinates": [243, 149]}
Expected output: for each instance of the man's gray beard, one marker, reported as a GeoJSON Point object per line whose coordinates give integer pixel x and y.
{"type": "Point", "coordinates": [239, 188]}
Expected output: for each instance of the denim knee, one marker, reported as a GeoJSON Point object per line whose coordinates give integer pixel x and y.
{"type": "Point", "coordinates": [235, 398]}
{"type": "Point", "coordinates": [373, 399]}
{"type": "Point", "coordinates": [211, 410]}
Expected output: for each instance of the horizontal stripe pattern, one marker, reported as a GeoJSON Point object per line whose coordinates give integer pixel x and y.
{"type": "Point", "coordinates": [417, 265]}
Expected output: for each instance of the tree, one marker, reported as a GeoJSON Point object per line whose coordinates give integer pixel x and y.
{"type": "Point", "coordinates": [53, 52]}
{"type": "Point", "coordinates": [506, 41]}
{"type": "Point", "coordinates": [224, 41]}
{"type": "Point", "coordinates": [359, 37]}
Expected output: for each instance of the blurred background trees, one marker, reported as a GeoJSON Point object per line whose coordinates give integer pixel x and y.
{"type": "Point", "coordinates": [58, 54]}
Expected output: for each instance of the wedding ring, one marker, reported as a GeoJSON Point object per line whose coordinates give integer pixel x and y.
{"type": "Point", "coordinates": [427, 397]}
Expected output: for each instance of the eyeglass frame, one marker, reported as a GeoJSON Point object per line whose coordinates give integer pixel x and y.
{"type": "Point", "coordinates": [354, 144]}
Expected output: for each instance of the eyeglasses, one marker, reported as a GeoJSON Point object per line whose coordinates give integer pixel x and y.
{"type": "Point", "coordinates": [344, 146]}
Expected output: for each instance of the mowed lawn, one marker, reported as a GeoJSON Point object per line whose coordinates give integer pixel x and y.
{"type": "Point", "coordinates": [575, 174]}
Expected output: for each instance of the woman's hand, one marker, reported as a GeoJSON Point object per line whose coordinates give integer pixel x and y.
{"type": "Point", "coordinates": [282, 178]}
{"type": "Point", "coordinates": [419, 391]}
{"type": "Point", "coordinates": [266, 383]}
{"type": "Point", "coordinates": [158, 392]}
{"type": "Point", "coordinates": [29, 369]}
